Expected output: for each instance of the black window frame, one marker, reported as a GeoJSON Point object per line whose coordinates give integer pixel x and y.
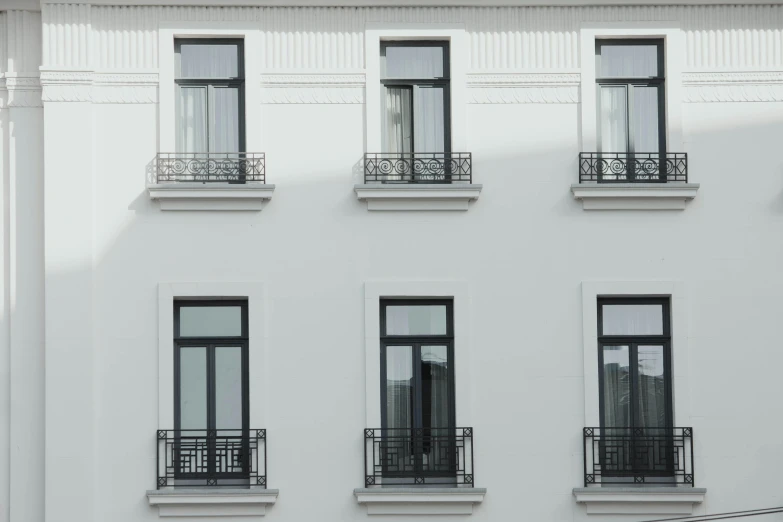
{"type": "Point", "coordinates": [633, 341]}
{"type": "Point", "coordinates": [211, 83]}
{"type": "Point", "coordinates": [411, 83]}
{"type": "Point", "coordinates": [416, 342]}
{"type": "Point", "coordinates": [629, 82]}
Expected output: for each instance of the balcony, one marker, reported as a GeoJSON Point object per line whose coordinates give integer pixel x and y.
{"type": "Point", "coordinates": [633, 181]}
{"type": "Point", "coordinates": [418, 181]}
{"type": "Point", "coordinates": [211, 458]}
{"type": "Point", "coordinates": [624, 456]}
{"type": "Point", "coordinates": [432, 456]}
{"type": "Point", "coordinates": [420, 471]}
{"type": "Point", "coordinates": [210, 181]}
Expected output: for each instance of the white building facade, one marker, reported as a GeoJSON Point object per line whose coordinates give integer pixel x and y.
{"type": "Point", "coordinates": [338, 260]}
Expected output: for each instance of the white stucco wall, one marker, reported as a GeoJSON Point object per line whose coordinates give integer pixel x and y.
{"type": "Point", "coordinates": [522, 250]}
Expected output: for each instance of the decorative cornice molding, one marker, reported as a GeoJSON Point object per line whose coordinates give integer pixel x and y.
{"type": "Point", "coordinates": [312, 88]}
{"type": "Point", "coordinates": [733, 86]}
{"type": "Point", "coordinates": [20, 91]}
{"type": "Point", "coordinates": [516, 87]}
{"type": "Point", "coordinates": [100, 87]}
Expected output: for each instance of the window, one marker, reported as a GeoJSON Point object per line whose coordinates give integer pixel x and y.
{"type": "Point", "coordinates": [415, 83]}
{"type": "Point", "coordinates": [630, 98]}
{"type": "Point", "coordinates": [209, 78]}
{"type": "Point", "coordinates": [634, 360]}
{"type": "Point", "coordinates": [417, 386]}
{"type": "Point", "coordinates": [211, 391]}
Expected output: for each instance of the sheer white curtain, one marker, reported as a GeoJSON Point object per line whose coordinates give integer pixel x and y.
{"type": "Point", "coordinates": [429, 113]}
{"type": "Point", "coordinates": [226, 131]}
{"type": "Point", "coordinates": [192, 116]}
{"type": "Point", "coordinates": [396, 120]}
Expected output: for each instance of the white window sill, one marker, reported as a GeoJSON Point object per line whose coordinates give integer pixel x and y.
{"type": "Point", "coordinates": [634, 196]}
{"type": "Point", "coordinates": [640, 500]}
{"type": "Point", "coordinates": [417, 196]}
{"type": "Point", "coordinates": [419, 501]}
{"type": "Point", "coordinates": [212, 502]}
{"type": "Point", "coordinates": [211, 196]}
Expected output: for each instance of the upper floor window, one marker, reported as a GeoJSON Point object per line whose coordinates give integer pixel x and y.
{"type": "Point", "coordinates": [210, 81]}
{"type": "Point", "coordinates": [415, 98]}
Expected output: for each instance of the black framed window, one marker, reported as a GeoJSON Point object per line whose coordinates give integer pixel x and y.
{"type": "Point", "coordinates": [634, 358]}
{"type": "Point", "coordinates": [631, 108]}
{"type": "Point", "coordinates": [210, 81]}
{"type": "Point", "coordinates": [210, 365]}
{"type": "Point", "coordinates": [415, 97]}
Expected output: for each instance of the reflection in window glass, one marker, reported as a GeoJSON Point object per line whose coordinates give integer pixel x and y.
{"type": "Point", "coordinates": [416, 320]}
{"type": "Point", "coordinates": [632, 319]}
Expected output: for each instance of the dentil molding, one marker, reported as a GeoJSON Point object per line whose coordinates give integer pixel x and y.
{"type": "Point", "coordinates": [312, 88]}
{"type": "Point", "coordinates": [550, 87]}
{"type": "Point", "coordinates": [99, 87]}
{"type": "Point", "coordinates": [733, 86]}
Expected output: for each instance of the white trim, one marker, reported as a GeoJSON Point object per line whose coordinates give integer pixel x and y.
{"type": "Point", "coordinates": [674, 52]}
{"type": "Point", "coordinates": [634, 196]}
{"type": "Point", "coordinates": [256, 304]}
{"type": "Point", "coordinates": [251, 33]}
{"type": "Point", "coordinates": [212, 503]}
{"type": "Point", "coordinates": [417, 196]}
{"type": "Point", "coordinates": [459, 52]}
{"type": "Point", "coordinates": [460, 292]}
{"type": "Point", "coordinates": [211, 196]}
{"type": "Point", "coordinates": [591, 290]}
{"type": "Point", "coordinates": [640, 501]}
{"type": "Point", "coordinates": [420, 501]}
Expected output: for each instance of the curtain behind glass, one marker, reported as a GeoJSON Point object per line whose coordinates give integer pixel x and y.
{"type": "Point", "coordinates": [399, 387]}
{"type": "Point", "coordinates": [397, 123]}
{"type": "Point", "coordinates": [411, 62]}
{"type": "Point", "coordinates": [627, 61]}
{"type": "Point", "coordinates": [429, 124]}
{"type": "Point", "coordinates": [617, 386]}
{"type": "Point", "coordinates": [192, 388]}
{"type": "Point", "coordinates": [226, 131]}
{"type": "Point", "coordinates": [651, 395]}
{"type": "Point", "coordinates": [614, 117]}
{"type": "Point", "coordinates": [203, 60]}
{"type": "Point", "coordinates": [192, 119]}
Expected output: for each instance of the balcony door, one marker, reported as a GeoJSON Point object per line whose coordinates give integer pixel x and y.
{"type": "Point", "coordinates": [630, 88]}
{"type": "Point", "coordinates": [211, 392]}
{"type": "Point", "coordinates": [417, 388]}
{"type": "Point", "coordinates": [415, 114]}
{"type": "Point", "coordinates": [634, 359]}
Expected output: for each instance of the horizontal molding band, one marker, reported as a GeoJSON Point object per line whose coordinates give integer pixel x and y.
{"type": "Point", "coordinates": [99, 87]}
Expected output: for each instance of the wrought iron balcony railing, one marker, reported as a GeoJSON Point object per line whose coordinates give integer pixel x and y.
{"type": "Point", "coordinates": [637, 167]}
{"type": "Point", "coordinates": [418, 167]}
{"type": "Point", "coordinates": [211, 167]}
{"type": "Point", "coordinates": [440, 456]}
{"type": "Point", "coordinates": [638, 456]}
{"type": "Point", "coordinates": [211, 458]}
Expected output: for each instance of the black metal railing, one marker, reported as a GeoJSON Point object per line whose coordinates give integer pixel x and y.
{"type": "Point", "coordinates": [213, 458]}
{"type": "Point", "coordinates": [418, 167]}
{"type": "Point", "coordinates": [211, 167]}
{"type": "Point", "coordinates": [638, 456]}
{"type": "Point", "coordinates": [440, 456]}
{"type": "Point", "coordinates": [637, 167]}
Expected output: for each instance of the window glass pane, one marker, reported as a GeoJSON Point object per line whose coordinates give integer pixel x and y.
{"type": "Point", "coordinates": [632, 319]}
{"type": "Point", "coordinates": [397, 121]}
{"type": "Point", "coordinates": [209, 60]}
{"type": "Point", "coordinates": [228, 387]}
{"type": "Point", "coordinates": [614, 117]}
{"type": "Point", "coordinates": [645, 119]}
{"type": "Point", "coordinates": [435, 386]}
{"type": "Point", "coordinates": [409, 61]}
{"type": "Point", "coordinates": [416, 320]}
{"type": "Point", "coordinates": [627, 61]}
{"type": "Point", "coordinates": [192, 119]}
{"type": "Point", "coordinates": [399, 387]}
{"type": "Point", "coordinates": [210, 321]}
{"type": "Point", "coordinates": [617, 387]}
{"type": "Point", "coordinates": [652, 387]}
{"type": "Point", "coordinates": [226, 131]}
{"type": "Point", "coordinates": [429, 129]}
{"type": "Point", "coordinates": [193, 388]}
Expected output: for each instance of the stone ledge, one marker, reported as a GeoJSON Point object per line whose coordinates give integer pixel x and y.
{"type": "Point", "coordinates": [211, 502]}
{"type": "Point", "coordinates": [417, 196]}
{"type": "Point", "coordinates": [211, 196]}
{"type": "Point", "coordinates": [634, 196]}
{"type": "Point", "coordinates": [419, 501]}
{"type": "Point", "coordinates": [646, 500]}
